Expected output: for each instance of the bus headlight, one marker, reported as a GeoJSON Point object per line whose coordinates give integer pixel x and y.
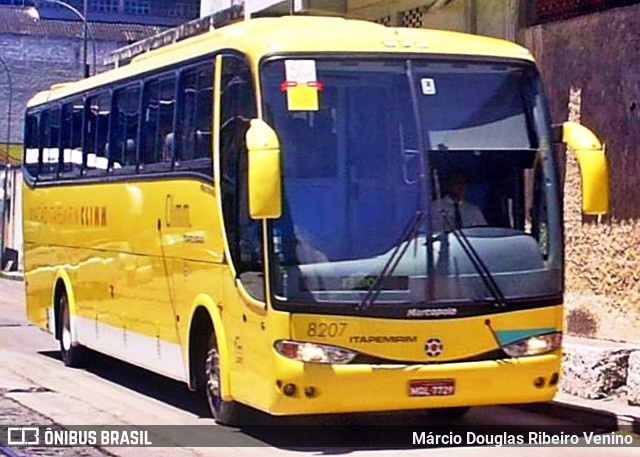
{"type": "Point", "coordinates": [313, 352]}
{"type": "Point", "coordinates": [534, 345]}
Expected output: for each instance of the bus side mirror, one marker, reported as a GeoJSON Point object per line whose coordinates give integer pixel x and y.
{"type": "Point", "coordinates": [265, 197]}
{"type": "Point", "coordinates": [593, 166]}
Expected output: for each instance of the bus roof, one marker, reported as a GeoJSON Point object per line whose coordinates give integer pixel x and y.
{"type": "Point", "coordinates": [259, 37]}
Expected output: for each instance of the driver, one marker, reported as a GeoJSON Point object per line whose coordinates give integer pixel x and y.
{"type": "Point", "coordinates": [459, 212]}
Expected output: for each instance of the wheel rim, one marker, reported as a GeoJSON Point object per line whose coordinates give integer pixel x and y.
{"type": "Point", "coordinates": [66, 325]}
{"type": "Point", "coordinates": [212, 371]}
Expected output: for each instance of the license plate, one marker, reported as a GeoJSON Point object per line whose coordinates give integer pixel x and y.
{"type": "Point", "coordinates": [432, 388]}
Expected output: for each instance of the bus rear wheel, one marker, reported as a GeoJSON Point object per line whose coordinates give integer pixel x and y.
{"type": "Point", "coordinates": [71, 355]}
{"type": "Point", "coordinates": [224, 412]}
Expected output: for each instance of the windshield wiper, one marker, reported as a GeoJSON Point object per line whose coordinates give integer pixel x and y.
{"type": "Point", "coordinates": [477, 262]}
{"type": "Point", "coordinates": [392, 262]}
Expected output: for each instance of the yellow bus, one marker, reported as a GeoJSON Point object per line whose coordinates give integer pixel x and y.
{"type": "Point", "coordinates": [308, 215]}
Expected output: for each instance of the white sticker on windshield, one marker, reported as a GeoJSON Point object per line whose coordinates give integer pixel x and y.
{"type": "Point", "coordinates": [300, 71]}
{"type": "Point", "coordinates": [428, 86]}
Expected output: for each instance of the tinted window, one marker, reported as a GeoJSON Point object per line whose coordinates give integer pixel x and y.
{"type": "Point", "coordinates": [194, 151]}
{"type": "Point", "coordinates": [162, 125]}
{"type": "Point", "coordinates": [186, 120]}
{"type": "Point", "coordinates": [71, 138]}
{"type": "Point", "coordinates": [157, 138]}
{"type": "Point", "coordinates": [50, 142]}
{"type": "Point", "coordinates": [96, 133]}
{"type": "Point", "coordinates": [236, 110]}
{"type": "Point", "coordinates": [31, 144]}
{"type": "Point", "coordinates": [123, 151]}
{"type": "Point", "coordinates": [203, 112]}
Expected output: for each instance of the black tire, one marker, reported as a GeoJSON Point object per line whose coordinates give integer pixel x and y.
{"type": "Point", "coordinates": [449, 414]}
{"type": "Point", "coordinates": [72, 355]}
{"type": "Point", "coordinates": [224, 412]}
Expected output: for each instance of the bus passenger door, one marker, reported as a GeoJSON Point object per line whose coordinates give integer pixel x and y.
{"type": "Point", "coordinates": [244, 322]}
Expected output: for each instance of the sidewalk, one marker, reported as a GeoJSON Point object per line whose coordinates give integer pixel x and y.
{"type": "Point", "coordinates": [609, 407]}
{"type": "Point", "coordinates": [12, 275]}
{"type": "Point", "coordinates": [609, 413]}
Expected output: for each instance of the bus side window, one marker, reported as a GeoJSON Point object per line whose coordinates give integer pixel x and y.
{"type": "Point", "coordinates": [31, 145]}
{"type": "Point", "coordinates": [150, 115]}
{"type": "Point", "coordinates": [50, 143]}
{"type": "Point", "coordinates": [204, 113]}
{"type": "Point", "coordinates": [124, 147]}
{"type": "Point", "coordinates": [71, 139]}
{"type": "Point", "coordinates": [157, 137]}
{"type": "Point", "coordinates": [195, 110]}
{"type": "Point", "coordinates": [96, 134]}
{"type": "Point", "coordinates": [186, 122]}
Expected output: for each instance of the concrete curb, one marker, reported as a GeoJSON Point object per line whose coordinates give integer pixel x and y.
{"type": "Point", "coordinates": [585, 415]}
{"type": "Point", "coordinates": [12, 275]}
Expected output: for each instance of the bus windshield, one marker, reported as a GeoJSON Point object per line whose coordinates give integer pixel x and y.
{"type": "Point", "coordinates": [374, 168]}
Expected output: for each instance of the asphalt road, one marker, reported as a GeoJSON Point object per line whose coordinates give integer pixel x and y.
{"type": "Point", "coordinates": [36, 388]}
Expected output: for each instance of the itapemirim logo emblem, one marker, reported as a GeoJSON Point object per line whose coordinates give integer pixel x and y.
{"type": "Point", "coordinates": [433, 347]}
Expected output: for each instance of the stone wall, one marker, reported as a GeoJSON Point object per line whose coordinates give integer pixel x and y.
{"type": "Point", "coordinates": [591, 66]}
{"type": "Point", "coordinates": [37, 62]}
{"type": "Point", "coordinates": [597, 369]}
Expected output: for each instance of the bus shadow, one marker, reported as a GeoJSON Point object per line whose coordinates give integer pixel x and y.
{"type": "Point", "coordinates": [142, 381]}
{"type": "Point", "coordinates": [418, 431]}
{"type": "Point", "coordinates": [340, 433]}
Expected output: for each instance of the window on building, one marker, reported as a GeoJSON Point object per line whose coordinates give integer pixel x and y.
{"type": "Point", "coordinates": [412, 18]}
{"type": "Point", "coordinates": [189, 10]}
{"type": "Point", "coordinates": [384, 20]}
{"type": "Point", "coordinates": [137, 7]}
{"type": "Point", "coordinates": [43, 4]}
{"type": "Point", "coordinates": [157, 137]}
{"type": "Point", "coordinates": [124, 150]}
{"type": "Point", "coordinates": [103, 6]}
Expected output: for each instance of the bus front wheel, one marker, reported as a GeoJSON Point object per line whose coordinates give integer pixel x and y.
{"type": "Point", "coordinates": [72, 355]}
{"type": "Point", "coordinates": [224, 412]}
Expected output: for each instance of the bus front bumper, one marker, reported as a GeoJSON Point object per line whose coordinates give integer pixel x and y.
{"type": "Point", "coordinates": [307, 388]}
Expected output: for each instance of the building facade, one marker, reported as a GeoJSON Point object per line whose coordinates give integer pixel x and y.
{"type": "Point", "coordinates": [155, 12]}
{"type": "Point", "coordinates": [486, 17]}
{"type": "Point", "coordinates": [34, 54]}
